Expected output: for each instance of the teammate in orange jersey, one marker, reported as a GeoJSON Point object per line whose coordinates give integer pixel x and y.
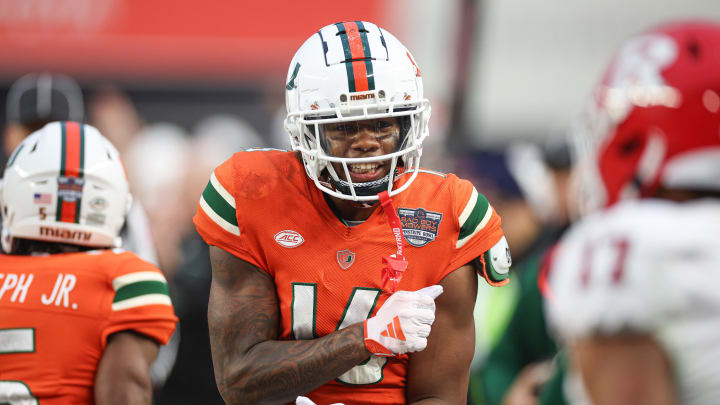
{"type": "Point", "coordinates": [80, 322]}
{"type": "Point", "coordinates": [327, 261]}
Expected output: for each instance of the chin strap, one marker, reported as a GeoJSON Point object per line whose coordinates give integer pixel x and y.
{"type": "Point", "coordinates": [363, 189]}
{"type": "Point", "coordinates": [394, 264]}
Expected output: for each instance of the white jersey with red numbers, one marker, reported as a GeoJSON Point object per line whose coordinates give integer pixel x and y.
{"type": "Point", "coordinates": [649, 267]}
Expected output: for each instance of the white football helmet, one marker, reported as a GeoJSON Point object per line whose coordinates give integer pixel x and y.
{"type": "Point", "coordinates": [353, 71]}
{"type": "Point", "coordinates": [64, 183]}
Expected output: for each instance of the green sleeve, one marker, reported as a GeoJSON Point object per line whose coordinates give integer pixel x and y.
{"type": "Point", "coordinates": [525, 340]}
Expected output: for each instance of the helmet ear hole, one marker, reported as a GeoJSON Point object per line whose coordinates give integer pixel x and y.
{"type": "Point", "coordinates": [694, 49]}
{"type": "Point", "coordinates": [631, 145]}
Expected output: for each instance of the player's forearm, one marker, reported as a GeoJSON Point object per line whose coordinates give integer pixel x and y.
{"type": "Point", "coordinates": [123, 375]}
{"type": "Point", "coordinates": [124, 394]}
{"type": "Point", "coordinates": [279, 371]}
{"type": "Point", "coordinates": [124, 388]}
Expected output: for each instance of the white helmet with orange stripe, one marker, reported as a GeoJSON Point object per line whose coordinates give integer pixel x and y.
{"type": "Point", "coordinates": [356, 111]}
{"type": "Point", "coordinates": [64, 183]}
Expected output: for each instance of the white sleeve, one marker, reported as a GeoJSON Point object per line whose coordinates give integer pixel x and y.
{"type": "Point", "coordinates": [631, 270]}
{"type": "Point", "coordinates": [599, 280]}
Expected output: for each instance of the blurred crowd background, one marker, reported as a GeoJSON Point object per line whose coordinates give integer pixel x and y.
{"type": "Point", "coordinates": [178, 86]}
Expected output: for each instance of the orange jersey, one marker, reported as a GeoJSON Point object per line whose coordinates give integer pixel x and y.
{"type": "Point", "coordinates": [57, 311]}
{"type": "Point", "coordinates": [261, 207]}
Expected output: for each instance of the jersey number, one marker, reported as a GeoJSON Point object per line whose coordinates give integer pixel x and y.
{"type": "Point", "coordinates": [620, 246]}
{"type": "Point", "coordinates": [21, 340]}
{"type": "Point", "coordinates": [358, 308]}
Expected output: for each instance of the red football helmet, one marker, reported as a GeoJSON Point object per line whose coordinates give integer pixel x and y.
{"type": "Point", "coordinates": [654, 120]}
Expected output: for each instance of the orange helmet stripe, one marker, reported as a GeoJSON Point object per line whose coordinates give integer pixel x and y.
{"type": "Point", "coordinates": [357, 56]}
{"type": "Point", "coordinates": [72, 162]}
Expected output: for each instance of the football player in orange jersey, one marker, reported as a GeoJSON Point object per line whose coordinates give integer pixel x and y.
{"type": "Point", "coordinates": [329, 261]}
{"type": "Point", "coordinates": [80, 322]}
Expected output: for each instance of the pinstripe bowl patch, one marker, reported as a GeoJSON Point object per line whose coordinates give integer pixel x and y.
{"type": "Point", "coordinates": [420, 226]}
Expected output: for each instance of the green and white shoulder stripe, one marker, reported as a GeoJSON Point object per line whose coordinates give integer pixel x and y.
{"type": "Point", "coordinates": [474, 217]}
{"type": "Point", "coordinates": [219, 205]}
{"type": "Point", "coordinates": [139, 289]}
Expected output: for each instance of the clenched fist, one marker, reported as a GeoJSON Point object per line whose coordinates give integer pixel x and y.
{"type": "Point", "coordinates": [403, 323]}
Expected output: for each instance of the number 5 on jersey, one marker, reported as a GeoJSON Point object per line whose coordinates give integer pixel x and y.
{"type": "Point", "coordinates": [18, 340]}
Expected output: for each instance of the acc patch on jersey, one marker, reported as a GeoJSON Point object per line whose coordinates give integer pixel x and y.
{"type": "Point", "coordinates": [420, 226]}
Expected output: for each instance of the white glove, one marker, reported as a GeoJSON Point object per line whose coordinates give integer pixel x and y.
{"type": "Point", "coordinates": [307, 401]}
{"type": "Point", "coordinates": [402, 324]}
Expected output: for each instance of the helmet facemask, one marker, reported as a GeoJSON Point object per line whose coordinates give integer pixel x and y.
{"type": "Point", "coordinates": [325, 133]}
